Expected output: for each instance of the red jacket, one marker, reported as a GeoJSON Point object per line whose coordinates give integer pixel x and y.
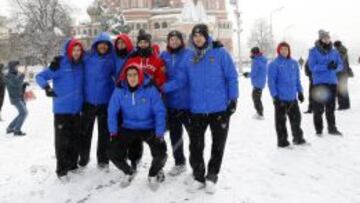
{"type": "Point", "coordinates": [153, 66]}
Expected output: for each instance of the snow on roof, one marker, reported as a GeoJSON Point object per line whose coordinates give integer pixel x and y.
{"type": "Point", "coordinates": [165, 16]}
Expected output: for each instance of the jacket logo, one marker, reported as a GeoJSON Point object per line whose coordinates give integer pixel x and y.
{"type": "Point", "coordinates": [212, 59]}
{"type": "Point", "coordinates": [143, 100]}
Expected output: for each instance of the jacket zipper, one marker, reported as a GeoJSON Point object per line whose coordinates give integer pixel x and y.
{"type": "Point", "coordinates": [133, 99]}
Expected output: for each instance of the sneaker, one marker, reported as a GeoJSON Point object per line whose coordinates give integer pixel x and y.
{"type": "Point", "coordinates": [335, 132]}
{"type": "Point", "coordinates": [19, 133]}
{"type": "Point", "coordinates": [103, 166]}
{"type": "Point", "coordinates": [8, 131]}
{"type": "Point", "coordinates": [83, 161]}
{"type": "Point", "coordinates": [153, 183]}
{"type": "Point", "coordinates": [126, 181]}
{"type": "Point", "coordinates": [160, 177]}
{"type": "Point", "coordinates": [258, 117]}
{"type": "Point", "coordinates": [319, 133]}
{"type": "Point", "coordinates": [210, 187]}
{"type": "Point", "coordinates": [63, 178]}
{"type": "Point", "coordinates": [284, 145]}
{"type": "Point", "coordinates": [195, 186]}
{"type": "Point", "coordinates": [299, 142]}
{"type": "Point", "coordinates": [177, 170]}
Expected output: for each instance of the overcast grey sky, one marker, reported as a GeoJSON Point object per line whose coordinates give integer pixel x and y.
{"type": "Point", "coordinates": [298, 22]}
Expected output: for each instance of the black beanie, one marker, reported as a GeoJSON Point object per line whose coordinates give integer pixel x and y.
{"type": "Point", "coordinates": [338, 44]}
{"type": "Point", "coordinates": [255, 51]}
{"type": "Point", "coordinates": [201, 29]}
{"type": "Point", "coordinates": [177, 34]}
{"type": "Point", "coordinates": [143, 36]}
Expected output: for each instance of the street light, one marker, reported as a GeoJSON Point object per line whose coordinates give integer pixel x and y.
{"type": "Point", "coordinates": [271, 18]}
{"type": "Point", "coordinates": [286, 29]}
{"type": "Point", "coordinates": [236, 4]}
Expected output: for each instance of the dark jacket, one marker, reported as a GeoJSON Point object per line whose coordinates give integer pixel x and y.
{"type": "Point", "coordinates": [14, 82]}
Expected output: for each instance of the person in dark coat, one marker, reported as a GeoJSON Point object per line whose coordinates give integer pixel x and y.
{"type": "Point", "coordinates": [67, 94]}
{"type": "Point", "coordinates": [15, 86]}
{"type": "Point", "coordinates": [311, 85]}
{"type": "Point", "coordinates": [324, 62]}
{"type": "Point", "coordinates": [343, 76]}
{"type": "Point", "coordinates": [286, 89]}
{"type": "Point", "coordinates": [2, 88]}
{"type": "Point", "coordinates": [258, 80]}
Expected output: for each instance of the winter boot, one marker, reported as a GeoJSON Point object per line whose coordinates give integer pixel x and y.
{"type": "Point", "coordinates": [210, 187]}
{"type": "Point", "coordinates": [195, 186]}
{"type": "Point", "coordinates": [19, 133]}
{"type": "Point", "coordinates": [177, 170]}
{"type": "Point", "coordinates": [335, 132]}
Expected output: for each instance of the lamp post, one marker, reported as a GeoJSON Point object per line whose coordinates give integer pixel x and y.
{"type": "Point", "coordinates": [271, 17]}
{"type": "Point", "coordinates": [236, 4]}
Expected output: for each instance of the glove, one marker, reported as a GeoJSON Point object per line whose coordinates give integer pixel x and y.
{"type": "Point", "coordinates": [332, 65]}
{"type": "Point", "coordinates": [49, 91]}
{"type": "Point", "coordinates": [55, 63]}
{"type": "Point", "coordinates": [231, 107]}
{"type": "Point", "coordinates": [301, 97]}
{"type": "Point", "coordinates": [246, 74]}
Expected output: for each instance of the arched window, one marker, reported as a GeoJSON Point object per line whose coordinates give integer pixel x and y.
{"type": "Point", "coordinates": [164, 25]}
{"type": "Point", "coordinates": [157, 25]}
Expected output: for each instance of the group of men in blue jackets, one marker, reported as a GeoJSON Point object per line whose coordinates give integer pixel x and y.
{"type": "Point", "coordinates": [135, 95]}
{"type": "Point", "coordinates": [283, 79]}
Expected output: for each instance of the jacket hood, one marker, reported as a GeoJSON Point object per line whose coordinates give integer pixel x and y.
{"type": "Point", "coordinates": [126, 39]}
{"type": "Point", "coordinates": [102, 37]}
{"type": "Point", "coordinates": [69, 46]}
{"type": "Point", "coordinates": [283, 44]}
{"type": "Point", "coordinates": [12, 65]}
{"type": "Point", "coordinates": [142, 79]}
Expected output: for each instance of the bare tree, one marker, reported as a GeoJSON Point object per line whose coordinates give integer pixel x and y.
{"type": "Point", "coordinates": [261, 37]}
{"type": "Point", "coordinates": [41, 27]}
{"type": "Point", "coordinates": [111, 19]}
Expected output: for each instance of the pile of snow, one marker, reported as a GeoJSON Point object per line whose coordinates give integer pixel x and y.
{"type": "Point", "coordinates": [254, 169]}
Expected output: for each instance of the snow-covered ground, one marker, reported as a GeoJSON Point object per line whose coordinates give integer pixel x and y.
{"type": "Point", "coordinates": [254, 169]}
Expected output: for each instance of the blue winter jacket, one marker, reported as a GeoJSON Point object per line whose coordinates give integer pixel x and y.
{"type": "Point", "coordinates": [67, 84]}
{"type": "Point", "coordinates": [284, 78]}
{"type": "Point", "coordinates": [140, 110]}
{"type": "Point", "coordinates": [119, 63]}
{"type": "Point", "coordinates": [212, 79]}
{"type": "Point", "coordinates": [100, 73]}
{"type": "Point", "coordinates": [318, 62]}
{"type": "Point", "coordinates": [258, 72]}
{"type": "Point", "coordinates": [176, 90]}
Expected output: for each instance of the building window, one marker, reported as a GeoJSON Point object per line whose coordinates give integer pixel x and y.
{"type": "Point", "coordinates": [90, 32]}
{"type": "Point", "coordinates": [164, 25]}
{"type": "Point", "coordinates": [95, 32]}
{"type": "Point", "coordinates": [145, 26]}
{"type": "Point", "coordinates": [138, 26]}
{"type": "Point", "coordinates": [84, 32]}
{"type": "Point", "coordinates": [157, 25]}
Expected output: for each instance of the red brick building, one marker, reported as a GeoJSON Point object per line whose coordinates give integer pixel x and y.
{"type": "Point", "coordinates": [158, 17]}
